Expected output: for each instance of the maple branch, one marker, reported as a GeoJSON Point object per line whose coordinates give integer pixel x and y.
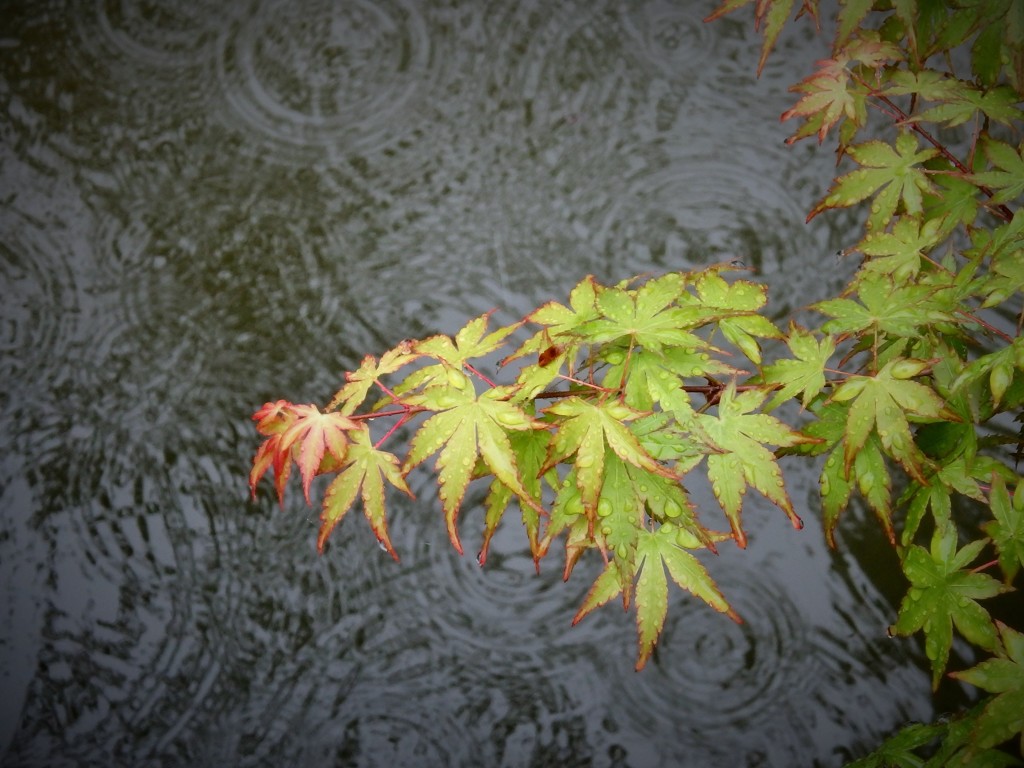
{"type": "Point", "coordinates": [903, 118]}
{"type": "Point", "coordinates": [700, 389]}
{"type": "Point", "coordinates": [986, 325]}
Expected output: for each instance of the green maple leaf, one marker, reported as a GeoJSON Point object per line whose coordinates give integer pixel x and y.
{"type": "Point", "coordinates": [469, 428]}
{"type": "Point", "coordinates": [943, 594]}
{"type": "Point", "coordinates": [934, 496]}
{"type": "Point", "coordinates": [471, 342]}
{"type": "Point", "coordinates": [1002, 717]}
{"type": "Point", "coordinates": [656, 552]}
{"type": "Point", "coordinates": [886, 308]}
{"type": "Point", "coordinates": [961, 474]}
{"type": "Point", "coordinates": [871, 474]}
{"type": "Point", "coordinates": [881, 404]}
{"type": "Point", "coordinates": [928, 84]}
{"type": "Point", "coordinates": [666, 501]}
{"type": "Point", "coordinates": [836, 489]}
{"type": "Point", "coordinates": [744, 460]}
{"type": "Point", "coordinates": [561, 322]}
{"type": "Point", "coordinates": [1004, 248]}
{"type": "Point", "coordinates": [530, 447]}
{"type": "Point", "coordinates": [999, 367]}
{"type": "Point", "coordinates": [1007, 530]}
{"type": "Point", "coordinates": [1009, 179]}
{"type": "Point", "coordinates": [648, 377]}
{"type": "Point", "coordinates": [868, 473]}
{"type": "Point", "coordinates": [557, 339]}
{"type": "Point", "coordinates": [959, 747]}
{"type": "Point", "coordinates": [567, 514]}
{"type": "Point", "coordinates": [363, 476]}
{"type": "Point", "coordinates": [891, 173]}
{"type": "Point", "coordinates": [851, 14]}
{"type": "Point", "coordinates": [619, 511]}
{"type": "Point", "coordinates": [898, 751]}
{"type": "Point", "coordinates": [647, 316]}
{"type": "Point", "coordinates": [359, 382]}
{"type": "Point", "coordinates": [805, 374]}
{"type": "Point", "coordinates": [584, 430]}
{"type": "Point", "coordinates": [898, 253]}
{"type": "Point", "coordinates": [1005, 278]}
{"type": "Point", "coordinates": [955, 204]}
{"type": "Point", "coordinates": [997, 104]}
{"type": "Point", "coordinates": [739, 302]}
{"type": "Point", "coordinates": [612, 525]}
{"type": "Point", "coordinates": [663, 438]}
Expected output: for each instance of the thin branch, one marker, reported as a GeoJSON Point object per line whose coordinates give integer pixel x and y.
{"type": "Point", "coordinates": [902, 118]}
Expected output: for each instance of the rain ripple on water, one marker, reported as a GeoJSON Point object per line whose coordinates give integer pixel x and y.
{"type": "Point", "coordinates": [219, 204]}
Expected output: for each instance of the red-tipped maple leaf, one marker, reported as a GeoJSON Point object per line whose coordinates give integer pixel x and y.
{"type": "Point", "coordinates": [274, 418]}
{"type": "Point", "coordinates": [302, 434]}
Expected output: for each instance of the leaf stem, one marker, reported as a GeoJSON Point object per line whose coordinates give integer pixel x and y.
{"type": "Point", "coordinates": [409, 413]}
{"type": "Point", "coordinates": [479, 375]}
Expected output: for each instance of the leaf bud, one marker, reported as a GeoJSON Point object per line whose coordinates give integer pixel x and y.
{"type": "Point", "coordinates": [908, 369]}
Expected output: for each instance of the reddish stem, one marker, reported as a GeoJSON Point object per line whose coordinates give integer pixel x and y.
{"type": "Point", "coordinates": [903, 118]}
{"type": "Point", "coordinates": [984, 566]}
{"type": "Point", "coordinates": [394, 427]}
{"type": "Point", "coordinates": [987, 326]}
{"type": "Point", "coordinates": [479, 375]}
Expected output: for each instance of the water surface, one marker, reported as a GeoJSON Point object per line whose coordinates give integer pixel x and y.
{"type": "Point", "coordinates": [208, 205]}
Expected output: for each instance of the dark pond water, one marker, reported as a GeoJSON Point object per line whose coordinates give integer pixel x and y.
{"type": "Point", "coordinates": [206, 205]}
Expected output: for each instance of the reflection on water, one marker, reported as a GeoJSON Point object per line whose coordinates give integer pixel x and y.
{"type": "Point", "coordinates": [208, 205]}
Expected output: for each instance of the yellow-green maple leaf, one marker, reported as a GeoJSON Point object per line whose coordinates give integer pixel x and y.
{"type": "Point", "coordinates": [881, 404]}
{"type": "Point", "coordinates": [744, 459]}
{"type": "Point", "coordinates": [468, 427]}
{"type": "Point", "coordinates": [890, 172]}
{"type": "Point", "coordinates": [804, 374]}
{"type": "Point", "coordinates": [656, 552]}
{"type": "Point", "coordinates": [453, 353]}
{"type": "Point", "coordinates": [363, 476]}
{"type": "Point", "coordinates": [359, 382]}
{"type": "Point", "coordinates": [584, 429]}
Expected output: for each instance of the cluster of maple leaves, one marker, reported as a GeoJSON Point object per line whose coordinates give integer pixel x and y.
{"type": "Point", "coordinates": [616, 397]}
